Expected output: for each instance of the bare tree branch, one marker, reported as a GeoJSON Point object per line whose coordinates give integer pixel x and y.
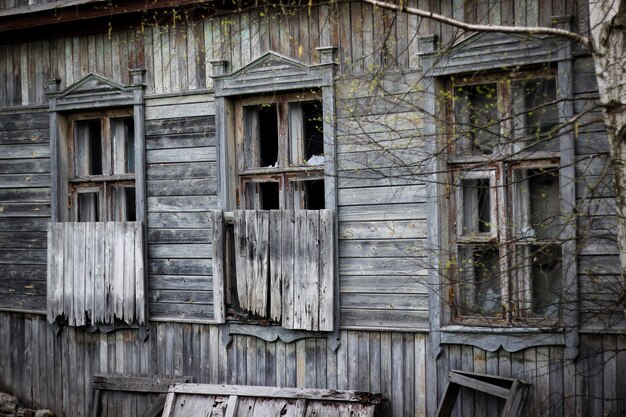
{"type": "Point", "coordinates": [583, 40]}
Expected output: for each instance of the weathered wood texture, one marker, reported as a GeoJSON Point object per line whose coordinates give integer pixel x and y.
{"type": "Point", "coordinates": [46, 369]}
{"type": "Point", "coordinates": [24, 209]}
{"type": "Point", "coordinates": [181, 184]}
{"type": "Point", "coordinates": [187, 400]}
{"type": "Point", "coordinates": [284, 266]}
{"type": "Point", "coordinates": [381, 203]}
{"type": "Point", "coordinates": [600, 282]}
{"type": "Point", "coordinates": [96, 273]}
{"type": "Point", "coordinates": [177, 56]}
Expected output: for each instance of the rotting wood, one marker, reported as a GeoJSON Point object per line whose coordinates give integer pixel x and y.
{"type": "Point", "coordinates": [244, 401]}
{"type": "Point", "coordinates": [512, 390]}
{"type": "Point", "coordinates": [77, 252]}
{"type": "Point", "coordinates": [102, 384]}
{"type": "Point", "coordinates": [297, 249]}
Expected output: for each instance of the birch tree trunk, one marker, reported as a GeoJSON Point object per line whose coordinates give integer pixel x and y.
{"type": "Point", "coordinates": [607, 19]}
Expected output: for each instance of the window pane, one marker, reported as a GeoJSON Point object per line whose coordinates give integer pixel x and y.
{"type": "Point", "coordinates": [88, 207]}
{"type": "Point", "coordinates": [123, 137]}
{"type": "Point", "coordinates": [313, 129]}
{"type": "Point", "coordinates": [308, 195]}
{"type": "Point", "coordinates": [124, 208]}
{"type": "Point", "coordinates": [476, 206]}
{"type": "Point", "coordinates": [88, 155]}
{"type": "Point", "coordinates": [535, 114]}
{"type": "Point", "coordinates": [261, 135]}
{"type": "Point", "coordinates": [538, 201]}
{"type": "Point", "coordinates": [476, 115]}
{"type": "Point", "coordinates": [262, 195]}
{"type": "Point", "coordinates": [479, 280]}
{"type": "Point", "coordinates": [542, 273]}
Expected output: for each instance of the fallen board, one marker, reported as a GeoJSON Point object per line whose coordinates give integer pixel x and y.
{"type": "Point", "coordinates": [190, 400]}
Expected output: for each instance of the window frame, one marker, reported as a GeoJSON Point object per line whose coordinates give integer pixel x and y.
{"type": "Point", "coordinates": [288, 169]}
{"type": "Point", "coordinates": [105, 182]}
{"type": "Point", "coordinates": [500, 167]}
{"type": "Point", "coordinates": [268, 75]}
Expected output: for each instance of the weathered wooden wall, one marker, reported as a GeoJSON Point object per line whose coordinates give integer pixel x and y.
{"type": "Point", "coordinates": [182, 185]}
{"type": "Point", "coordinates": [54, 369]}
{"type": "Point", "coordinates": [24, 209]}
{"type": "Point", "coordinates": [600, 283]}
{"type": "Point", "coordinates": [177, 56]}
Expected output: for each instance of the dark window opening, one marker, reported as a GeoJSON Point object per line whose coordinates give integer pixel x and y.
{"type": "Point", "coordinates": [476, 111]}
{"type": "Point", "coordinates": [130, 204]}
{"type": "Point", "coordinates": [88, 159]}
{"type": "Point", "coordinates": [268, 135]}
{"type": "Point", "coordinates": [269, 195]}
{"type": "Point", "coordinates": [535, 113]}
{"type": "Point", "coordinates": [479, 279]}
{"type": "Point", "coordinates": [314, 195]}
{"type": "Point", "coordinates": [313, 128]}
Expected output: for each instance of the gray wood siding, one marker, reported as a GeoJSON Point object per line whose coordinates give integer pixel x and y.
{"type": "Point", "coordinates": [601, 286]}
{"type": "Point", "coordinates": [24, 209]}
{"type": "Point", "coordinates": [381, 203]}
{"type": "Point", "coordinates": [177, 57]}
{"type": "Point", "coordinates": [46, 369]}
{"type": "Point", "coordinates": [181, 187]}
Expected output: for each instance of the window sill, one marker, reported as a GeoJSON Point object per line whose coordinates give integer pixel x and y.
{"type": "Point", "coordinates": [511, 339]}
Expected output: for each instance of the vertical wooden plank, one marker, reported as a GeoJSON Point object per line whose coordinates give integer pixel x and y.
{"type": "Point", "coordinates": [556, 372]}
{"type": "Point", "coordinates": [300, 263]}
{"type": "Point", "coordinates": [55, 270]}
{"type": "Point", "coordinates": [288, 254]}
{"type": "Point", "coordinates": [218, 243]}
{"type": "Point", "coordinates": [402, 39]}
{"type": "Point", "coordinates": [24, 74]}
{"type": "Point", "coordinates": [610, 377]}
{"type": "Point", "coordinates": [421, 390]}
{"type": "Point", "coordinates": [374, 362]}
{"type": "Point", "coordinates": [327, 269]}
{"type": "Point", "coordinates": [139, 273]}
{"type": "Point", "coordinates": [10, 75]}
{"type": "Point", "coordinates": [118, 269]}
{"type": "Point", "coordinates": [291, 379]}
{"type": "Point", "coordinates": [312, 275]}
{"type": "Point", "coordinates": [246, 35]}
{"type": "Point", "coordinates": [310, 364]}
{"type": "Point", "coordinates": [362, 357]}
{"type": "Point", "coordinates": [128, 306]}
{"type": "Point", "coordinates": [262, 263]}
{"type": "Point", "coordinates": [345, 49]}
{"type": "Point", "coordinates": [281, 353]}
{"type": "Point", "coordinates": [89, 269]}
{"type": "Point", "coordinates": [275, 261]}
{"type": "Point", "coordinates": [241, 264]}
{"type": "Point", "coordinates": [356, 36]}
{"type": "Point", "coordinates": [397, 377]}
{"type": "Point", "coordinates": [4, 76]}
{"type": "Point", "coordinates": [99, 267]}
{"type": "Point", "coordinates": [68, 270]}
{"type": "Point", "coordinates": [542, 380]}
{"type": "Point", "coordinates": [209, 51]}
{"type": "Point", "coordinates": [300, 363]}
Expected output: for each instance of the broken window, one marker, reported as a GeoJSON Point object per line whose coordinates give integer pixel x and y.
{"type": "Point", "coordinates": [506, 201]}
{"type": "Point", "coordinates": [102, 167]}
{"type": "Point", "coordinates": [280, 152]}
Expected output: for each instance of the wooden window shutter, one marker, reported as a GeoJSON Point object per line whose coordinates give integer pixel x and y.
{"type": "Point", "coordinates": [284, 266]}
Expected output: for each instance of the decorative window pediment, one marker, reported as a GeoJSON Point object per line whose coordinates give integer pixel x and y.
{"type": "Point", "coordinates": [269, 73]}
{"type": "Point", "coordinates": [489, 51]}
{"type": "Point", "coordinates": [95, 91]}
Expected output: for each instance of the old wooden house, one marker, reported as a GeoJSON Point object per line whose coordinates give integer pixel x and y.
{"type": "Point", "coordinates": [306, 194]}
